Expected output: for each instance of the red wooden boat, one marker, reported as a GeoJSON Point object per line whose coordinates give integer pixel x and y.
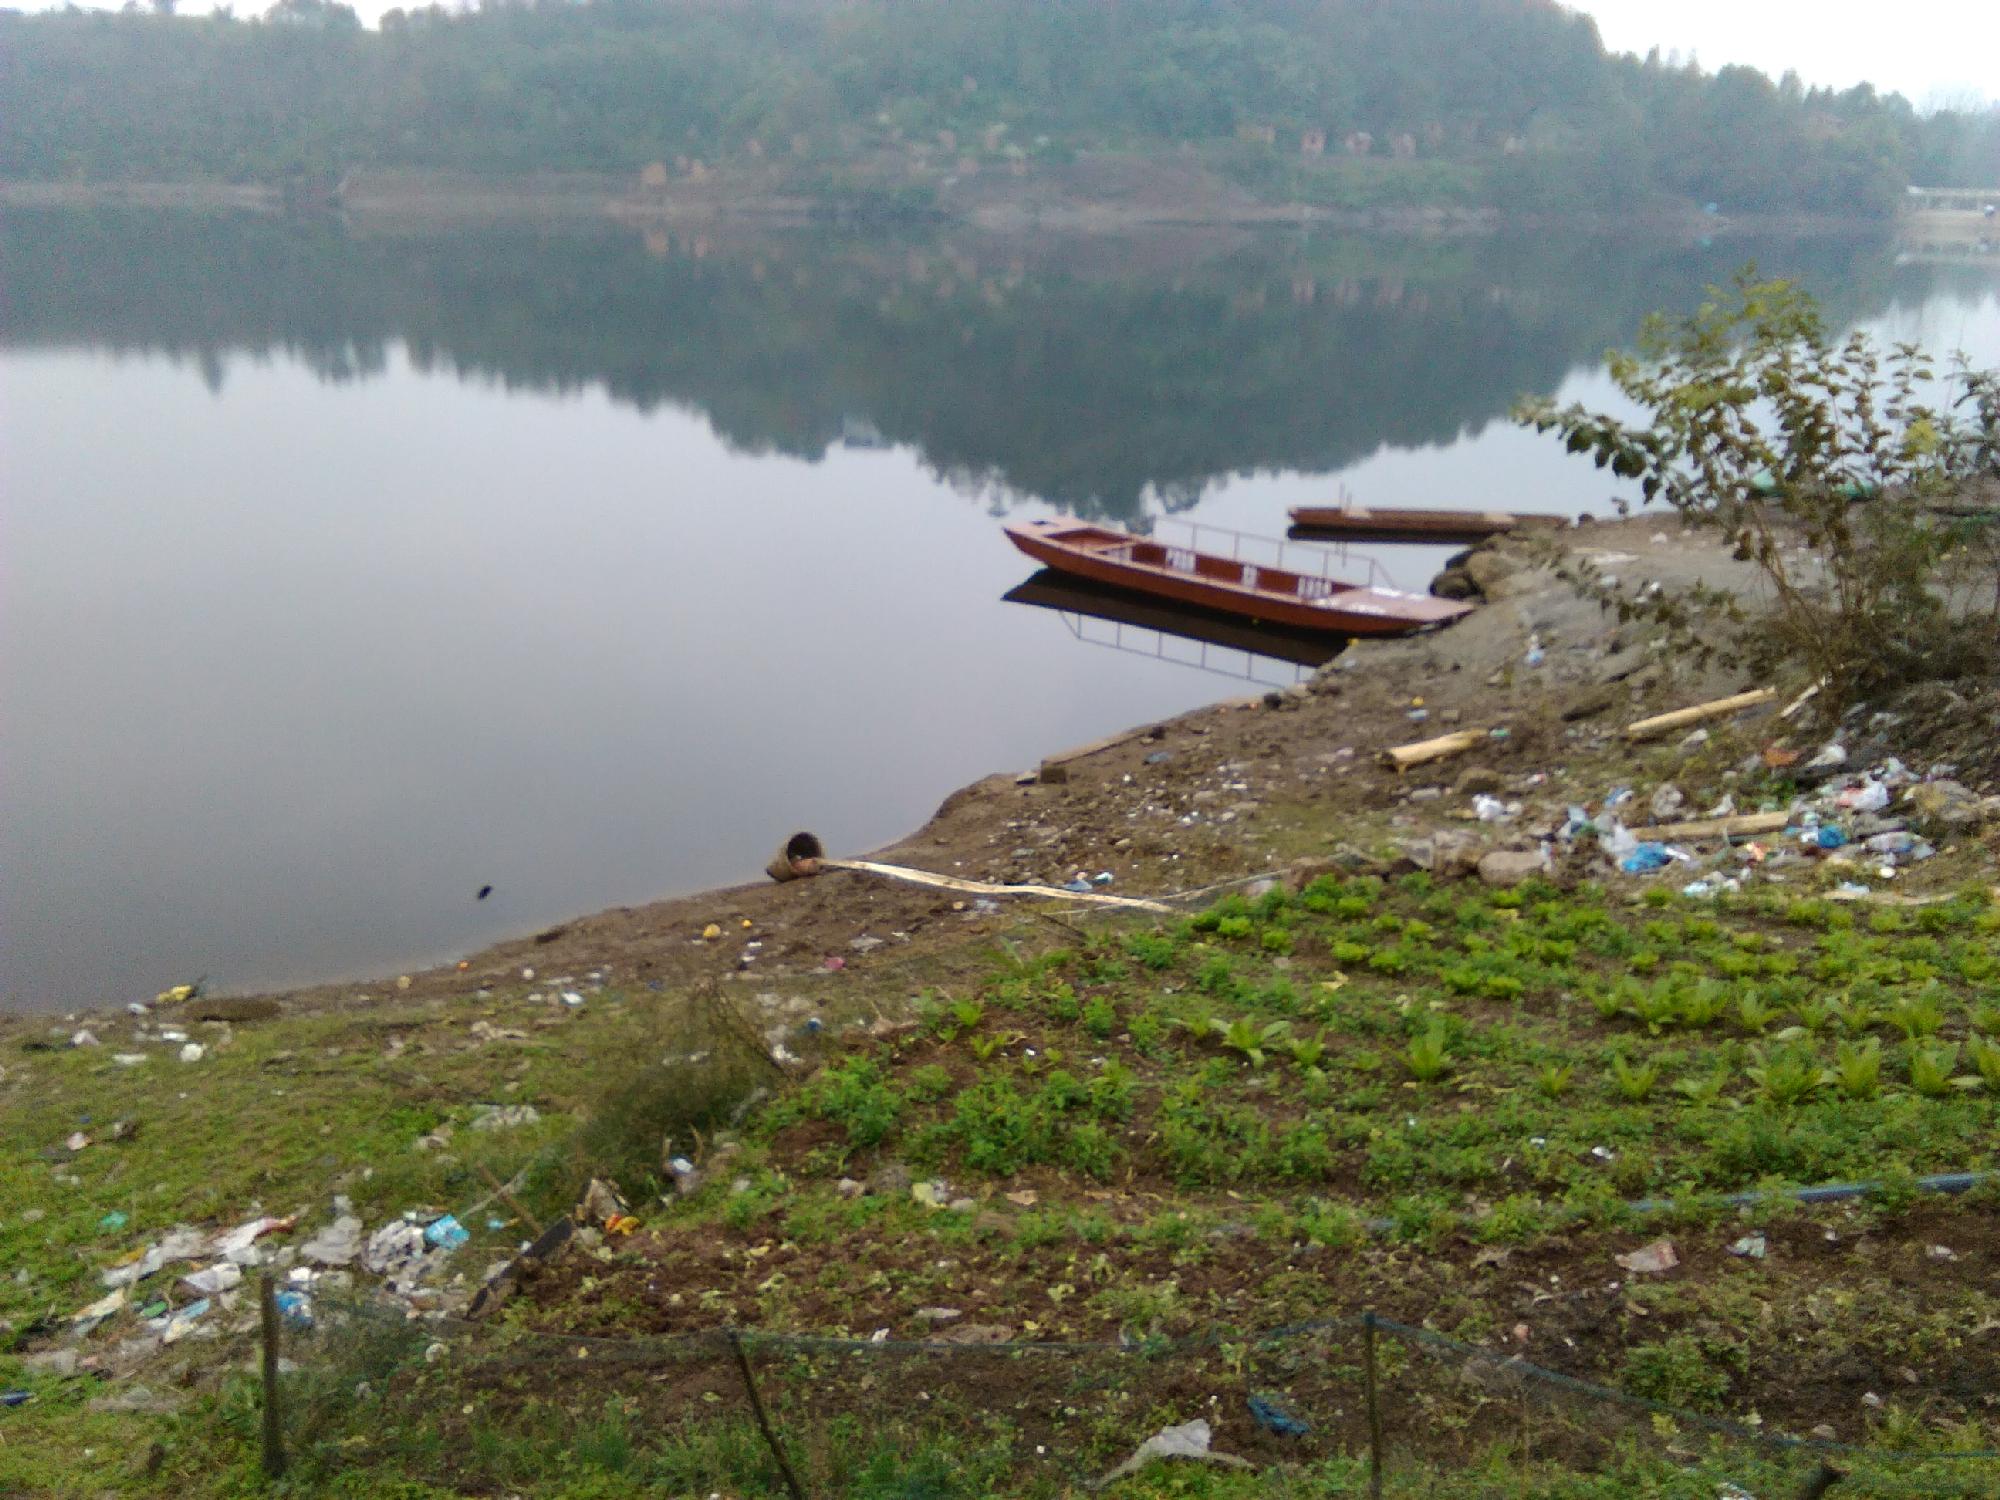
{"type": "Point", "coordinates": [1230, 584]}
{"type": "Point", "coordinates": [1367, 523]}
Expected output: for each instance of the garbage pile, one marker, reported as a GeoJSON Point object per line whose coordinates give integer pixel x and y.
{"type": "Point", "coordinates": [1867, 824]}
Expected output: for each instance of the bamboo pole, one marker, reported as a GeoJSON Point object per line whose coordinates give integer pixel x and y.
{"type": "Point", "coordinates": [985, 888]}
{"type": "Point", "coordinates": [501, 1191]}
{"type": "Point", "coordinates": [1402, 757]}
{"type": "Point", "coordinates": [1705, 828]}
{"type": "Point", "coordinates": [763, 1422]}
{"type": "Point", "coordinates": [1680, 718]}
{"type": "Point", "coordinates": [274, 1424]}
{"type": "Point", "coordinates": [1374, 1405]}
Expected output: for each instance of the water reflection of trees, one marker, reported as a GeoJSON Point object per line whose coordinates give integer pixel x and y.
{"type": "Point", "coordinates": [1088, 379]}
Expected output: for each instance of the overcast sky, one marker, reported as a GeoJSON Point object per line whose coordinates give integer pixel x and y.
{"type": "Point", "coordinates": [1930, 51]}
{"type": "Point", "coordinates": [1921, 49]}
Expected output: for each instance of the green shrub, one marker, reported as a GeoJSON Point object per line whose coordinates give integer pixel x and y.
{"type": "Point", "coordinates": [854, 1095]}
{"type": "Point", "coordinates": [1684, 1371]}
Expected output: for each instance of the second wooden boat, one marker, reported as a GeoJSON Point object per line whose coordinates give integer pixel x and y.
{"type": "Point", "coordinates": [1232, 585]}
{"type": "Point", "coordinates": [1366, 523]}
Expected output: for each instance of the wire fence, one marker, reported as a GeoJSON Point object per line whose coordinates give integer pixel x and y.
{"type": "Point", "coordinates": [1360, 1405]}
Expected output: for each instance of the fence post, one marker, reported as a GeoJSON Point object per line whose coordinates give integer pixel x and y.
{"type": "Point", "coordinates": [274, 1427]}
{"type": "Point", "coordinates": [763, 1422]}
{"type": "Point", "coordinates": [1374, 1405]}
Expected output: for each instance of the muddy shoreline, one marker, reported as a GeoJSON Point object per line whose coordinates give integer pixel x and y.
{"type": "Point", "coordinates": [1117, 204]}
{"type": "Point", "coordinates": [1227, 791]}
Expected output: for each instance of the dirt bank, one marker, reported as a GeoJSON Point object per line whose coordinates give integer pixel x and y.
{"type": "Point", "coordinates": [1237, 789]}
{"type": "Point", "coordinates": [1223, 792]}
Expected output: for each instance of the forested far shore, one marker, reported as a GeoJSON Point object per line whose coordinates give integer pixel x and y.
{"type": "Point", "coordinates": [1335, 103]}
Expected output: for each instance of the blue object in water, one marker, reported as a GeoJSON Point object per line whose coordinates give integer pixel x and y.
{"type": "Point", "coordinates": [1274, 1418]}
{"type": "Point", "coordinates": [1645, 859]}
{"type": "Point", "coordinates": [447, 1232]}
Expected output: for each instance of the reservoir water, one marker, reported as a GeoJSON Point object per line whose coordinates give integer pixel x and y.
{"type": "Point", "coordinates": [345, 572]}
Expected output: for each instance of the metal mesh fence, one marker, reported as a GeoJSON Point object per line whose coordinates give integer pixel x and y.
{"type": "Point", "coordinates": [1354, 1405]}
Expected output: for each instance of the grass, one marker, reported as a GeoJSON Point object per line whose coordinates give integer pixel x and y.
{"type": "Point", "coordinates": [1165, 1131]}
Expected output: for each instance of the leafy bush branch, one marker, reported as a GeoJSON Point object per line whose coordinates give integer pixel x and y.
{"type": "Point", "coordinates": [1846, 471]}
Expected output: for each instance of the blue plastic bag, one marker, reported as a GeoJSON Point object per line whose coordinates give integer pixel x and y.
{"type": "Point", "coordinates": [1645, 859]}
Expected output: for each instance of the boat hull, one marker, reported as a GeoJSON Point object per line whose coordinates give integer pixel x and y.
{"type": "Point", "coordinates": [1226, 585]}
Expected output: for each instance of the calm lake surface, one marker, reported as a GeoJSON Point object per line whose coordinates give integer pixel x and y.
{"type": "Point", "coordinates": [346, 573]}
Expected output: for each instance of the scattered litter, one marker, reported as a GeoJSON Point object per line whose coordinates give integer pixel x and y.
{"type": "Point", "coordinates": [1650, 1260]}
{"type": "Point", "coordinates": [1269, 1415]}
{"type": "Point", "coordinates": [295, 1308]}
{"type": "Point", "coordinates": [223, 1276]}
{"type": "Point", "coordinates": [939, 1314]}
{"type": "Point", "coordinates": [1645, 858]}
{"type": "Point", "coordinates": [503, 1116]}
{"type": "Point", "coordinates": [394, 1249]}
{"type": "Point", "coordinates": [621, 1224]}
{"type": "Point", "coordinates": [1870, 796]}
{"type": "Point", "coordinates": [834, 963]}
{"type": "Point", "coordinates": [1941, 1252]}
{"type": "Point", "coordinates": [711, 932]}
{"type": "Point", "coordinates": [193, 1052]}
{"type": "Point", "coordinates": [336, 1245]}
{"type": "Point", "coordinates": [16, 1398]}
{"type": "Point", "coordinates": [1668, 799]}
{"type": "Point", "coordinates": [1493, 810]}
{"type": "Point", "coordinates": [600, 1203]}
{"type": "Point", "coordinates": [1751, 1246]}
{"type": "Point", "coordinates": [1080, 886]}
{"type": "Point", "coordinates": [1190, 1441]}
{"type": "Point", "coordinates": [931, 1194]}
{"type": "Point", "coordinates": [84, 1038]}
{"type": "Point", "coordinates": [181, 1244]}
{"type": "Point", "coordinates": [102, 1308]}
{"type": "Point", "coordinates": [77, 1140]}
{"type": "Point", "coordinates": [183, 1319]}
{"type": "Point", "coordinates": [128, 1059]}
{"type": "Point", "coordinates": [571, 998]}
{"type": "Point", "coordinates": [447, 1233]}
{"type": "Point", "coordinates": [1102, 877]}
{"type": "Point", "coordinates": [112, 1222]}
{"type": "Point", "coordinates": [1711, 885]}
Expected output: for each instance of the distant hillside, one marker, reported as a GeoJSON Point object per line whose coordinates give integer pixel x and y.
{"type": "Point", "coordinates": [1335, 102]}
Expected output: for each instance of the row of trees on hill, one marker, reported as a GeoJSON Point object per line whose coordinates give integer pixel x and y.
{"type": "Point", "coordinates": [1297, 97]}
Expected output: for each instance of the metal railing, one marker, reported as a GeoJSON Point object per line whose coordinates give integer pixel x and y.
{"type": "Point", "coordinates": [1335, 562]}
